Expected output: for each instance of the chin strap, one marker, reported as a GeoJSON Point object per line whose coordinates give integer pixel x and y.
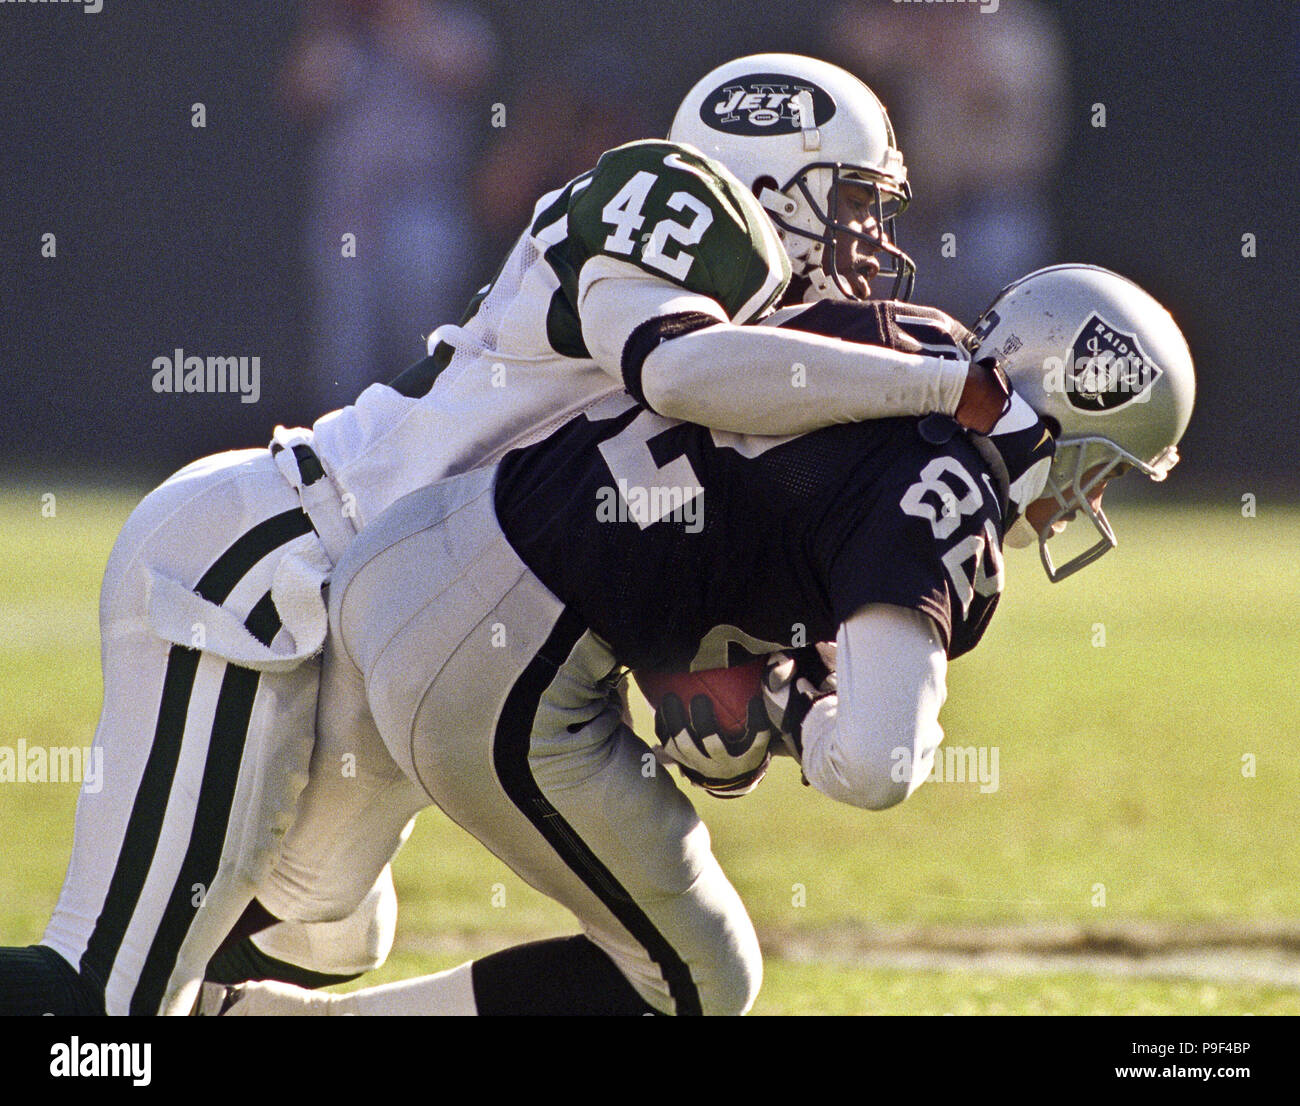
{"type": "Point", "coordinates": [806, 252]}
{"type": "Point", "coordinates": [822, 287]}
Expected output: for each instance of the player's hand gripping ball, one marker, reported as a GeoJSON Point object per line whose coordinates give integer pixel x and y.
{"type": "Point", "coordinates": [713, 724]}
{"type": "Point", "coordinates": [792, 683]}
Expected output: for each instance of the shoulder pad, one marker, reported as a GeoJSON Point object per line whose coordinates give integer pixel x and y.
{"type": "Point", "coordinates": [681, 216]}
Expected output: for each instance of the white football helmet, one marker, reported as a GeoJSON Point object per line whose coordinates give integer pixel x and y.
{"type": "Point", "coordinates": [797, 128]}
{"type": "Point", "coordinates": [1093, 353]}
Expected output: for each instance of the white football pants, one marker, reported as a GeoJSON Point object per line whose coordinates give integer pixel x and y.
{"type": "Point", "coordinates": [212, 621]}
{"type": "Point", "coordinates": [501, 704]}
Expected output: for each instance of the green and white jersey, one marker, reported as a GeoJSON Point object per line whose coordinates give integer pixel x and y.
{"type": "Point", "coordinates": [673, 228]}
{"type": "Point", "coordinates": [676, 215]}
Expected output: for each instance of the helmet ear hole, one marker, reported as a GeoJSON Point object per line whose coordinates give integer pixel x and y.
{"type": "Point", "coordinates": [775, 201]}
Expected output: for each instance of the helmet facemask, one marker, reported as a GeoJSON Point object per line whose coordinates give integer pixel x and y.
{"type": "Point", "coordinates": [795, 209]}
{"type": "Point", "coordinates": [1107, 369]}
{"type": "Point", "coordinates": [1082, 465]}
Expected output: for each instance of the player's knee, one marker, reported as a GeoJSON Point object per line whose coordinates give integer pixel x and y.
{"type": "Point", "coordinates": [732, 982]}
{"type": "Point", "coordinates": [719, 970]}
{"type": "Point", "coordinates": [728, 968]}
{"type": "Point", "coordinates": [351, 945]}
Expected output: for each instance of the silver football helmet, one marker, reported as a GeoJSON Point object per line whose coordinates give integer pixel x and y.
{"type": "Point", "coordinates": [794, 130]}
{"type": "Point", "coordinates": [1097, 356]}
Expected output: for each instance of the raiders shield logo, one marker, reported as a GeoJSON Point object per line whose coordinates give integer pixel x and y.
{"type": "Point", "coordinates": [764, 104]}
{"type": "Point", "coordinates": [1108, 368]}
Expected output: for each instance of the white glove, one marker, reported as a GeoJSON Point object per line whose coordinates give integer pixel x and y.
{"type": "Point", "coordinates": [726, 767]}
{"type": "Point", "coordinates": [792, 682]}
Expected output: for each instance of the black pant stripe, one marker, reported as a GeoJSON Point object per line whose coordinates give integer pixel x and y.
{"type": "Point", "coordinates": [140, 842]}
{"type": "Point", "coordinates": [234, 564]}
{"type": "Point", "coordinates": [510, 756]}
{"type": "Point", "coordinates": [216, 796]}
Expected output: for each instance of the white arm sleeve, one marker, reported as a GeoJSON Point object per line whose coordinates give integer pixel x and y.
{"type": "Point", "coordinates": [615, 297]}
{"type": "Point", "coordinates": [752, 379]}
{"type": "Point", "coordinates": [873, 743]}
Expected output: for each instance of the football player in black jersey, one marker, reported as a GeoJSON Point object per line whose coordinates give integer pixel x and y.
{"type": "Point", "coordinates": [492, 616]}
{"type": "Point", "coordinates": [779, 183]}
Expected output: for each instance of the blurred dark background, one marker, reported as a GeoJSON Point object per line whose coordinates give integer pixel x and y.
{"type": "Point", "coordinates": [375, 118]}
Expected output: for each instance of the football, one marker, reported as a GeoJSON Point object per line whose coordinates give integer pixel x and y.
{"type": "Point", "coordinates": [729, 689]}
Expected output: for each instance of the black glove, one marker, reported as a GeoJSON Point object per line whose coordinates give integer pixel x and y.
{"type": "Point", "coordinates": [727, 767]}
{"type": "Point", "coordinates": [986, 396]}
{"type": "Point", "coordinates": [792, 682]}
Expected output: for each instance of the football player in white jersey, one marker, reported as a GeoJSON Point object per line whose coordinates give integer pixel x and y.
{"type": "Point", "coordinates": [500, 700]}
{"type": "Point", "coordinates": [780, 182]}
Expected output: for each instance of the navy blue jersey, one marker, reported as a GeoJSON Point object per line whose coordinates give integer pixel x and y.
{"type": "Point", "coordinates": [683, 546]}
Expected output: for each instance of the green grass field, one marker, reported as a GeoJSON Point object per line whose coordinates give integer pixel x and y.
{"type": "Point", "coordinates": [1141, 713]}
